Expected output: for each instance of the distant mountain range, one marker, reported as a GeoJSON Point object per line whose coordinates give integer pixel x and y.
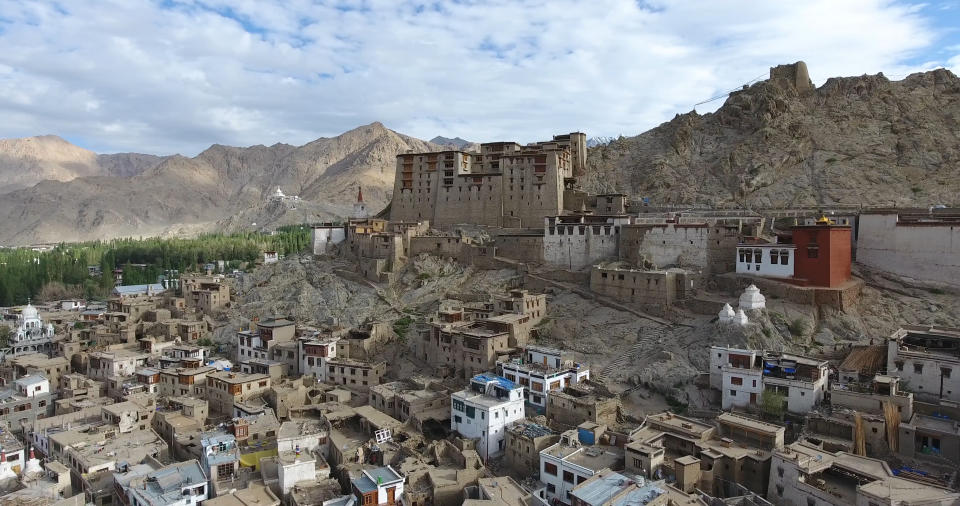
{"type": "Point", "coordinates": [78, 195]}
{"type": "Point", "coordinates": [455, 143]}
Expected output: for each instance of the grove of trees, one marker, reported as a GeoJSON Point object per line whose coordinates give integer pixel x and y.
{"type": "Point", "coordinates": [25, 273]}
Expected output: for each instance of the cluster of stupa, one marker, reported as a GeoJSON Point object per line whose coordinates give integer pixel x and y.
{"type": "Point", "coordinates": [751, 299]}
{"type": "Point", "coordinates": [8, 476]}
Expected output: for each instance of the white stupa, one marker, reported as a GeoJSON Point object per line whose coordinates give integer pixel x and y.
{"type": "Point", "coordinates": [278, 194]}
{"type": "Point", "coordinates": [32, 468]}
{"type": "Point", "coordinates": [359, 207]}
{"type": "Point", "coordinates": [726, 314]}
{"type": "Point", "coordinates": [740, 318]}
{"type": "Point", "coordinates": [752, 299]}
{"type": "Point", "coordinates": [8, 478]}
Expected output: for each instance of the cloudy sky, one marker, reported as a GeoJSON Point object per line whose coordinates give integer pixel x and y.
{"type": "Point", "coordinates": [176, 76]}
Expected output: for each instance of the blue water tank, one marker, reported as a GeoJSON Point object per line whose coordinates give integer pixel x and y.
{"type": "Point", "coordinates": [586, 437]}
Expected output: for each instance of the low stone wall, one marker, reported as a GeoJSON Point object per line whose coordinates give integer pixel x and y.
{"type": "Point", "coordinates": [841, 298]}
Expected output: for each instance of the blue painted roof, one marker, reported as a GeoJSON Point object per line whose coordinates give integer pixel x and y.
{"type": "Point", "coordinates": [503, 382]}
{"type": "Point", "coordinates": [132, 289]}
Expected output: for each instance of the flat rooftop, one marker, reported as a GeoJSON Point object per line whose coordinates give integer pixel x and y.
{"type": "Point", "coordinates": [769, 429]}
{"type": "Point", "coordinates": [679, 424]}
{"type": "Point", "coordinates": [591, 457]}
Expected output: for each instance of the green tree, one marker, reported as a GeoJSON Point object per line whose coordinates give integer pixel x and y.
{"type": "Point", "coordinates": [773, 404]}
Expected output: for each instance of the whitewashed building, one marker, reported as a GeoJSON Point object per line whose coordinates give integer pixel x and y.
{"type": "Point", "coordinates": [568, 463]}
{"type": "Point", "coordinates": [314, 354]}
{"type": "Point", "coordinates": [32, 385]}
{"type": "Point", "coordinates": [382, 485]}
{"type": "Point", "coordinates": [773, 260]}
{"type": "Point", "coordinates": [483, 410]}
{"type": "Point", "coordinates": [31, 334]}
{"type": "Point", "coordinates": [743, 375]}
{"type": "Point", "coordinates": [326, 235]}
{"type": "Point", "coordinates": [541, 371]}
{"type": "Point", "coordinates": [928, 359]}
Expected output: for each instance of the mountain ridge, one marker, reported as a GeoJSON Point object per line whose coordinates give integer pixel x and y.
{"type": "Point", "coordinates": [197, 193]}
{"type": "Point", "coordinates": [780, 142]}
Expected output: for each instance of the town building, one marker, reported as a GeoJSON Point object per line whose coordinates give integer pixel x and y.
{"type": "Point", "coordinates": [928, 359]}
{"type": "Point", "coordinates": [263, 336]}
{"type": "Point", "coordinates": [314, 354]}
{"type": "Point", "coordinates": [355, 374]}
{"type": "Point", "coordinates": [30, 335]}
{"type": "Point", "coordinates": [524, 442]}
{"type": "Point", "coordinates": [652, 290]}
{"type": "Point", "coordinates": [51, 368]}
{"type": "Point", "coordinates": [224, 389]}
{"type": "Point", "coordinates": [497, 491]}
{"type": "Point", "coordinates": [610, 488]}
{"type": "Point", "coordinates": [130, 291]}
{"type": "Point", "coordinates": [484, 410]}
{"type": "Point", "coordinates": [584, 401]}
{"type": "Point", "coordinates": [569, 462]}
{"type": "Point", "coordinates": [28, 399]}
{"type": "Point", "coordinates": [935, 436]}
{"type": "Point", "coordinates": [742, 376]}
{"type": "Point", "coordinates": [542, 370]}
{"type": "Point", "coordinates": [415, 396]}
{"type": "Point", "coordinates": [104, 365]}
{"type": "Point", "coordinates": [178, 484]}
{"type": "Point", "coordinates": [504, 185]}
{"type": "Point", "coordinates": [255, 494]}
{"type": "Point", "coordinates": [378, 486]}
{"type": "Point", "coordinates": [205, 292]}
{"type": "Point", "coordinates": [805, 474]}
{"type": "Point", "coordinates": [177, 381]}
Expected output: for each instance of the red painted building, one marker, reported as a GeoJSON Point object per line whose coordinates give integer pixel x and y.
{"type": "Point", "coordinates": [823, 254]}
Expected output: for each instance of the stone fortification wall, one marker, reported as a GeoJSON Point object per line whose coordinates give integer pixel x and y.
{"type": "Point", "coordinates": [527, 248]}
{"type": "Point", "coordinates": [709, 248]}
{"type": "Point", "coordinates": [441, 246]}
{"type": "Point", "coordinates": [580, 245]}
{"type": "Point", "coordinates": [927, 251]}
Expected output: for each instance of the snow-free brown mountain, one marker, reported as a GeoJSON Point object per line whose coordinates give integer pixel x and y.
{"type": "Point", "coordinates": [854, 140]}
{"type": "Point", "coordinates": [27, 161]}
{"type": "Point", "coordinates": [181, 194]}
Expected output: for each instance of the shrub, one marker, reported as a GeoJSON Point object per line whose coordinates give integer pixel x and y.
{"type": "Point", "coordinates": [772, 404]}
{"type": "Point", "coordinates": [799, 327]}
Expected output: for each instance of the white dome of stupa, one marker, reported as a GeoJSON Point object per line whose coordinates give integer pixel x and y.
{"type": "Point", "coordinates": [752, 299]}
{"type": "Point", "coordinates": [726, 314]}
{"type": "Point", "coordinates": [32, 468]}
{"type": "Point", "coordinates": [740, 318]}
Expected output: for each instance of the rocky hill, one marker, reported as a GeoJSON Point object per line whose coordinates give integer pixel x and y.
{"type": "Point", "coordinates": [455, 143]}
{"type": "Point", "coordinates": [27, 161]}
{"type": "Point", "coordinates": [221, 183]}
{"type": "Point", "coordinates": [854, 140]}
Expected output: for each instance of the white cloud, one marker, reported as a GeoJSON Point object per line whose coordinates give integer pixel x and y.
{"type": "Point", "coordinates": [178, 75]}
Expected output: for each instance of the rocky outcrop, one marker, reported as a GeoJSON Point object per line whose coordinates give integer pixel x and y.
{"type": "Point", "coordinates": [783, 141]}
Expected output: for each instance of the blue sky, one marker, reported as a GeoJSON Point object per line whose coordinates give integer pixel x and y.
{"type": "Point", "coordinates": [170, 76]}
